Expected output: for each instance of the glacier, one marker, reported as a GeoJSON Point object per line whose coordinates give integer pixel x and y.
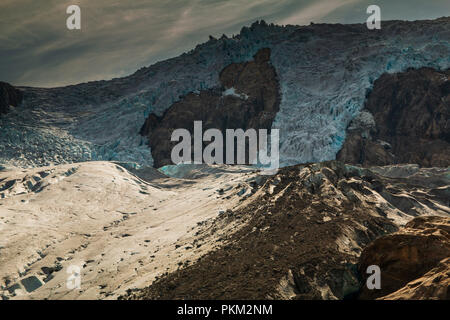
{"type": "Point", "coordinates": [325, 73]}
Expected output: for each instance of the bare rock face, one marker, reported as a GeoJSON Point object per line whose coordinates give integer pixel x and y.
{"type": "Point", "coordinates": [9, 96]}
{"type": "Point", "coordinates": [410, 261]}
{"type": "Point", "coordinates": [248, 98]}
{"type": "Point", "coordinates": [435, 284]}
{"type": "Point", "coordinates": [406, 120]}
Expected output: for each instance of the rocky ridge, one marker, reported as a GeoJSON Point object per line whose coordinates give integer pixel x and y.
{"type": "Point", "coordinates": [303, 233]}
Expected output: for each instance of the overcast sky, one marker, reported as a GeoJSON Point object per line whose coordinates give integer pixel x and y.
{"type": "Point", "coordinates": [118, 37]}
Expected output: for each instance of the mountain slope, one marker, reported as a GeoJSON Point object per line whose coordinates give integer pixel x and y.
{"type": "Point", "coordinates": [211, 232]}
{"type": "Point", "coordinates": [120, 230]}
{"type": "Point", "coordinates": [303, 233]}
{"type": "Point", "coordinates": [325, 72]}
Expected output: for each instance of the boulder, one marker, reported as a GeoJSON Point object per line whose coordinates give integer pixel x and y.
{"type": "Point", "coordinates": [408, 255]}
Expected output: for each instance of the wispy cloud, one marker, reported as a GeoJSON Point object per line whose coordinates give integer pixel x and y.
{"type": "Point", "coordinates": [118, 37]}
{"type": "Point", "coordinates": [316, 10]}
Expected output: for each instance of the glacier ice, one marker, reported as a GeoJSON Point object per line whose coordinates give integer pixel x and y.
{"type": "Point", "coordinates": [325, 73]}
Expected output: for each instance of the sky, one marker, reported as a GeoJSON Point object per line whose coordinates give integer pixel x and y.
{"type": "Point", "coordinates": [118, 37]}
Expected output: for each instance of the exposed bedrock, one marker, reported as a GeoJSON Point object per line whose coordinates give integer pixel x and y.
{"type": "Point", "coordinates": [414, 262]}
{"type": "Point", "coordinates": [406, 119]}
{"type": "Point", "coordinates": [9, 96]}
{"type": "Point", "coordinates": [248, 97]}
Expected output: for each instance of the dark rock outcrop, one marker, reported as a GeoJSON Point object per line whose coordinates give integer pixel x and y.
{"type": "Point", "coordinates": [406, 119]}
{"type": "Point", "coordinates": [9, 96]}
{"type": "Point", "coordinates": [407, 256]}
{"type": "Point", "coordinates": [248, 98]}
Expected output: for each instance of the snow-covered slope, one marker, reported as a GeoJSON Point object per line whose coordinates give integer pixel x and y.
{"type": "Point", "coordinates": [120, 230]}
{"type": "Point", "coordinates": [325, 73]}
